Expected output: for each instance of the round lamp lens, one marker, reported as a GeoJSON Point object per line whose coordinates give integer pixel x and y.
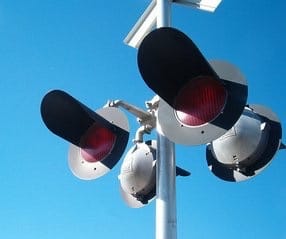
{"type": "Point", "coordinates": [200, 101]}
{"type": "Point", "coordinates": [97, 143]}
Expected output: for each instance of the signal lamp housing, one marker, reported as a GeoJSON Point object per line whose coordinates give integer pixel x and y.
{"type": "Point", "coordinates": [138, 174]}
{"type": "Point", "coordinates": [248, 147]}
{"type": "Point", "coordinates": [212, 107]}
{"type": "Point", "coordinates": [199, 101]}
{"type": "Point", "coordinates": [98, 139]}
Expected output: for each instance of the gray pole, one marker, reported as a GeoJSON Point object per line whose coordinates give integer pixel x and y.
{"type": "Point", "coordinates": [166, 218]}
{"type": "Point", "coordinates": [164, 13]}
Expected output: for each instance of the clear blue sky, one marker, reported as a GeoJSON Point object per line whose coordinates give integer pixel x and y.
{"type": "Point", "coordinates": [77, 46]}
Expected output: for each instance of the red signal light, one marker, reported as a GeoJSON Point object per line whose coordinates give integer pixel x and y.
{"type": "Point", "coordinates": [200, 101]}
{"type": "Point", "coordinates": [97, 143]}
{"type": "Point", "coordinates": [98, 139]}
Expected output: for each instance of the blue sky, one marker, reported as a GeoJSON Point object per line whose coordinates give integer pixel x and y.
{"type": "Point", "coordinates": [76, 46]}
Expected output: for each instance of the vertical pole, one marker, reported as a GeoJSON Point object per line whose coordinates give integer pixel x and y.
{"type": "Point", "coordinates": [166, 218]}
{"type": "Point", "coordinates": [164, 13]}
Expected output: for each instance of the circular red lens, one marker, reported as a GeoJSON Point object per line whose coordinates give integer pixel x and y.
{"type": "Point", "coordinates": [97, 143]}
{"type": "Point", "coordinates": [200, 101]}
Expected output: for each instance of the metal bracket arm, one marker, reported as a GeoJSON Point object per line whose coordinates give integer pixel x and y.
{"type": "Point", "coordinates": [146, 119]}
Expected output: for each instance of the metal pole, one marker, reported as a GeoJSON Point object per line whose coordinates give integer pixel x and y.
{"type": "Point", "coordinates": [166, 218]}
{"type": "Point", "coordinates": [164, 13]}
